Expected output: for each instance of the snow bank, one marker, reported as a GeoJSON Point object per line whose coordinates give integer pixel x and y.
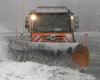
{"type": "Point", "coordinates": [35, 71]}
{"type": "Point", "coordinates": [3, 49]}
{"type": "Point", "coordinates": [3, 43]}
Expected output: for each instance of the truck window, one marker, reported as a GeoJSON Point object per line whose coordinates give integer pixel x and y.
{"type": "Point", "coordinates": [51, 22]}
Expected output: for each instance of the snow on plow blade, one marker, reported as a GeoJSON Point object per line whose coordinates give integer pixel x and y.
{"type": "Point", "coordinates": [56, 48]}
{"type": "Point", "coordinates": [34, 50]}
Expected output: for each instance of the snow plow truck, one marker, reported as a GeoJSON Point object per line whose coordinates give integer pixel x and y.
{"type": "Point", "coordinates": [51, 32]}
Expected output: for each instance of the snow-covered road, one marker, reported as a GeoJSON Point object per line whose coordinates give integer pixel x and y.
{"type": "Point", "coordinates": [10, 70]}
{"type": "Point", "coordinates": [35, 71]}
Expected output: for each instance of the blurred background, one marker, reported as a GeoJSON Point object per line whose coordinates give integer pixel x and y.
{"type": "Point", "coordinates": [12, 12]}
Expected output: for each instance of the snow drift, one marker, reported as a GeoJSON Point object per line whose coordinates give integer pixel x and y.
{"type": "Point", "coordinates": [35, 71]}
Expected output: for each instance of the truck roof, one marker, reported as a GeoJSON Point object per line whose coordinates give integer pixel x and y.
{"type": "Point", "coordinates": [51, 9]}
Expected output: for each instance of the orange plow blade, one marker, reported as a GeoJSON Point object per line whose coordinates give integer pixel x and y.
{"type": "Point", "coordinates": [81, 56]}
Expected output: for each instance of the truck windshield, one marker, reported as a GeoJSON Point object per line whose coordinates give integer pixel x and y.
{"type": "Point", "coordinates": [51, 22]}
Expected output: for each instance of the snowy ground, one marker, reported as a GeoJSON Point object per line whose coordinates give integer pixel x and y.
{"type": "Point", "coordinates": [11, 70]}
{"type": "Point", "coordinates": [35, 71]}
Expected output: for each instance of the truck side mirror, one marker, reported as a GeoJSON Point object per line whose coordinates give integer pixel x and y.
{"type": "Point", "coordinates": [76, 22]}
{"type": "Point", "coordinates": [26, 22]}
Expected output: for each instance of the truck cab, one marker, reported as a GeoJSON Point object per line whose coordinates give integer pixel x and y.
{"type": "Point", "coordinates": [51, 24]}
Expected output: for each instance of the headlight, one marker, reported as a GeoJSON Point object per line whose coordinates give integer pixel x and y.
{"type": "Point", "coordinates": [72, 17]}
{"type": "Point", "coordinates": [33, 17]}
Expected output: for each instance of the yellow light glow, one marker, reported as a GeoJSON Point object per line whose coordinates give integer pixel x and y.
{"type": "Point", "coordinates": [72, 17]}
{"type": "Point", "coordinates": [33, 17]}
